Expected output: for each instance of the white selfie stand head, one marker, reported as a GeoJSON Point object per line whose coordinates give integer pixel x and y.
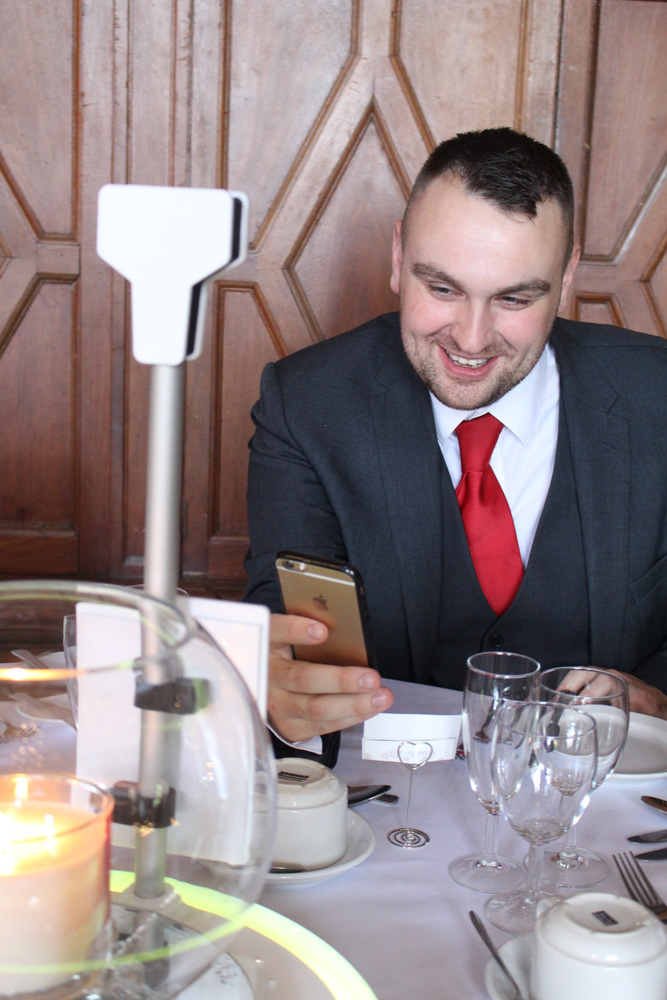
{"type": "Point", "coordinates": [170, 243]}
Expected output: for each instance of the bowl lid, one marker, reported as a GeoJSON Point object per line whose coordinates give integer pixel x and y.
{"type": "Point", "coordinates": [305, 784]}
{"type": "Point", "coordinates": [603, 929]}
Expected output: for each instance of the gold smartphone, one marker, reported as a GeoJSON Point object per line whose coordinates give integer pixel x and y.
{"type": "Point", "coordinates": [331, 592]}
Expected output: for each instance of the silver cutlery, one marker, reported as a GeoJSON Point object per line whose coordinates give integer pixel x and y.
{"type": "Point", "coordinates": [356, 794]}
{"type": "Point", "coordinates": [656, 837]}
{"type": "Point", "coordinates": [638, 886]}
{"type": "Point", "coordinates": [30, 659]}
{"type": "Point", "coordinates": [12, 732]}
{"type": "Point", "coordinates": [651, 800]}
{"type": "Point", "coordinates": [659, 855]}
{"type": "Point", "coordinates": [483, 933]}
{"type": "Point", "coordinates": [43, 708]}
{"type": "Point", "coordinates": [364, 793]}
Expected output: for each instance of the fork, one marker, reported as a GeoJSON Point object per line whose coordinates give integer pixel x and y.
{"type": "Point", "coordinates": [638, 886]}
{"type": "Point", "coordinates": [13, 732]}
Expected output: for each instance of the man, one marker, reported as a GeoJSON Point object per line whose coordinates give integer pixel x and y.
{"type": "Point", "coordinates": [347, 457]}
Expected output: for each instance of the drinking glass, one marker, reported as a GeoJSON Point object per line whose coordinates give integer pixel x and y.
{"type": "Point", "coordinates": [603, 695]}
{"type": "Point", "coordinates": [492, 680]}
{"type": "Point", "coordinates": [544, 759]}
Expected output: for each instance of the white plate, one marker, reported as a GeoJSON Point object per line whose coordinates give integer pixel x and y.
{"type": "Point", "coordinates": [360, 843]}
{"type": "Point", "coordinates": [516, 954]}
{"type": "Point", "coordinates": [225, 980]}
{"type": "Point", "coordinates": [272, 957]}
{"type": "Point", "coordinates": [645, 752]}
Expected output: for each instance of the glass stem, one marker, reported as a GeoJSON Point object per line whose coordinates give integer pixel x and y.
{"type": "Point", "coordinates": [568, 851]}
{"type": "Point", "coordinates": [534, 874]}
{"type": "Point", "coordinates": [490, 845]}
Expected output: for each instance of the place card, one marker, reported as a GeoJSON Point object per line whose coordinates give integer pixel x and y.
{"type": "Point", "coordinates": [385, 733]}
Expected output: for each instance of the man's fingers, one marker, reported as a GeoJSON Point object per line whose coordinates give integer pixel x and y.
{"type": "Point", "coordinates": [315, 715]}
{"type": "Point", "coordinates": [293, 630]}
{"type": "Point", "coordinates": [311, 699]}
{"type": "Point", "coordinates": [321, 678]}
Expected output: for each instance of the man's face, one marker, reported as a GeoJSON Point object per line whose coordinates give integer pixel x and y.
{"type": "Point", "coordinates": [479, 291]}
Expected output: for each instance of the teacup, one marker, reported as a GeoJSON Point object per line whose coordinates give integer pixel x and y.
{"type": "Point", "coordinates": [311, 827]}
{"type": "Point", "coordinates": [598, 945]}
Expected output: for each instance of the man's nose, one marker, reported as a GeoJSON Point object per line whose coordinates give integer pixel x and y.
{"type": "Point", "coordinates": [473, 329]}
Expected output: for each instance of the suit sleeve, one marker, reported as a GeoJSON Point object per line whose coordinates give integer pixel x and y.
{"type": "Point", "coordinates": [288, 507]}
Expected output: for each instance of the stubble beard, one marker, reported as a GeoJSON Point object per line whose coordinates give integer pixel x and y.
{"type": "Point", "coordinates": [467, 397]}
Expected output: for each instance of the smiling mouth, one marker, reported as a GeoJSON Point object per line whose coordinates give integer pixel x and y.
{"type": "Point", "coordinates": [467, 362]}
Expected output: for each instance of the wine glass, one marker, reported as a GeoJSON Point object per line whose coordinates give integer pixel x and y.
{"type": "Point", "coordinates": [603, 695]}
{"type": "Point", "coordinates": [544, 760]}
{"type": "Point", "coordinates": [492, 679]}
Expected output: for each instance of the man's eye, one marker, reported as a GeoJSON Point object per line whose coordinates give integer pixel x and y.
{"type": "Point", "coordinates": [514, 300]}
{"type": "Point", "coordinates": [442, 290]}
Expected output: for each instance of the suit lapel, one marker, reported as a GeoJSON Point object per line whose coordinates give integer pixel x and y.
{"type": "Point", "coordinates": [600, 447]}
{"type": "Point", "coordinates": [411, 466]}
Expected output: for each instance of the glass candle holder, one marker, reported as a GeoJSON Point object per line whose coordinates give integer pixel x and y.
{"type": "Point", "coordinates": [165, 772]}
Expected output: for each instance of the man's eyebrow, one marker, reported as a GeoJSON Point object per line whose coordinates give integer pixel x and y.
{"type": "Point", "coordinates": [538, 285]}
{"type": "Point", "coordinates": [429, 272]}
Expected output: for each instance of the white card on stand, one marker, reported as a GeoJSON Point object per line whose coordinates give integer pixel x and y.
{"type": "Point", "coordinates": [242, 632]}
{"type": "Point", "coordinates": [384, 733]}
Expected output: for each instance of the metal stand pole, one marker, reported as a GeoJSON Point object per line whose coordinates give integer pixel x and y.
{"type": "Point", "coordinates": [158, 761]}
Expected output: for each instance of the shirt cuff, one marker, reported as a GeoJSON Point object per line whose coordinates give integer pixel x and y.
{"type": "Point", "coordinates": [313, 745]}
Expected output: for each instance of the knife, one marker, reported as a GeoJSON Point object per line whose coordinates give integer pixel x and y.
{"type": "Point", "coordinates": [649, 838]}
{"type": "Point", "coordinates": [356, 794]}
{"type": "Point", "coordinates": [659, 855]}
{"type": "Point", "coordinates": [651, 800]}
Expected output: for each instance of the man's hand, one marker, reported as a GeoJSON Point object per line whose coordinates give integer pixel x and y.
{"type": "Point", "coordinates": [310, 699]}
{"type": "Point", "coordinates": [644, 698]}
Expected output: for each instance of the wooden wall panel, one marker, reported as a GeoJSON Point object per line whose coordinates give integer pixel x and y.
{"type": "Point", "coordinates": [628, 150]}
{"type": "Point", "coordinates": [37, 123]}
{"type": "Point", "coordinates": [612, 132]}
{"type": "Point", "coordinates": [323, 112]}
{"type": "Point", "coordinates": [250, 340]}
{"type": "Point", "coordinates": [36, 383]}
{"type": "Point", "coordinates": [39, 260]}
{"type": "Point", "coordinates": [349, 248]}
{"type": "Point", "coordinates": [278, 91]}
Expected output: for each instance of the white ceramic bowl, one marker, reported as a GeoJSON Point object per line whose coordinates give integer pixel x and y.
{"type": "Point", "coordinates": [598, 945]}
{"type": "Point", "coordinates": [312, 810]}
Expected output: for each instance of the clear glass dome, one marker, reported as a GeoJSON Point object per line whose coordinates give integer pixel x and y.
{"type": "Point", "coordinates": [136, 795]}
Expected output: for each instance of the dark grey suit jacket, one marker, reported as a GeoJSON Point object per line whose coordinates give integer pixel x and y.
{"type": "Point", "coordinates": [345, 463]}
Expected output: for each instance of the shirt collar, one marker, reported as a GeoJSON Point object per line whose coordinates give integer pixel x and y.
{"type": "Point", "coordinates": [517, 409]}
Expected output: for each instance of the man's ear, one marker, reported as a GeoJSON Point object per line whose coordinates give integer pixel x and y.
{"type": "Point", "coordinates": [568, 277]}
{"type": "Point", "coordinates": [396, 259]}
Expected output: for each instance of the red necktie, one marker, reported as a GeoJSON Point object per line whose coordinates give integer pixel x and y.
{"type": "Point", "coordinates": [486, 515]}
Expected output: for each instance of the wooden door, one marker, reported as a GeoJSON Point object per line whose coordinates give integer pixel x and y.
{"type": "Point", "coordinates": [323, 113]}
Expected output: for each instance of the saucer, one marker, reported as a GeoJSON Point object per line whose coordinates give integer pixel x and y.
{"type": "Point", "coordinates": [359, 844]}
{"type": "Point", "coordinates": [516, 954]}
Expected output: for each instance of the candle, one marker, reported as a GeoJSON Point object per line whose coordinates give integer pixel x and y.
{"type": "Point", "coordinates": [54, 878]}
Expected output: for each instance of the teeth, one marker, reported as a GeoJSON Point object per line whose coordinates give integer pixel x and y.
{"type": "Point", "coordinates": [467, 362]}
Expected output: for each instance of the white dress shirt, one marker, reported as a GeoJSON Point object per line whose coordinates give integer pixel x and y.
{"type": "Point", "coordinates": [524, 456]}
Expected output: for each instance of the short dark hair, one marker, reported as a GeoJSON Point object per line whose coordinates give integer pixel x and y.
{"type": "Point", "coordinates": [508, 168]}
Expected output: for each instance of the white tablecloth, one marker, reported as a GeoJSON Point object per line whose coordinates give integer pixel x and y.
{"type": "Point", "coordinates": [398, 917]}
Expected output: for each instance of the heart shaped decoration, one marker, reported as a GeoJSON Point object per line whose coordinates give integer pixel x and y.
{"type": "Point", "coordinates": [413, 755]}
